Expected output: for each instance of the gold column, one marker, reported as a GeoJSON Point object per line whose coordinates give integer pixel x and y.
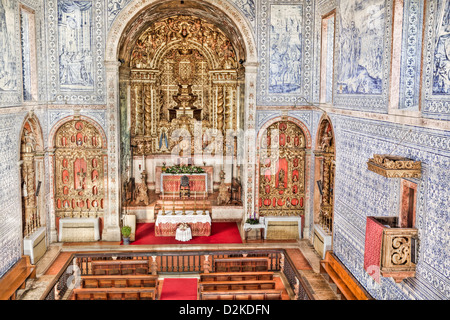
{"type": "Point", "coordinates": [31, 221]}
{"type": "Point", "coordinates": [147, 106]}
{"type": "Point", "coordinates": [228, 108]}
{"type": "Point", "coordinates": [139, 107]}
{"type": "Point", "coordinates": [326, 207]}
{"type": "Point", "coordinates": [220, 108]}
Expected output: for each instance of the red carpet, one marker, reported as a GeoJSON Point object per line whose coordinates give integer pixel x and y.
{"type": "Point", "coordinates": [221, 232]}
{"type": "Point", "coordinates": [179, 289]}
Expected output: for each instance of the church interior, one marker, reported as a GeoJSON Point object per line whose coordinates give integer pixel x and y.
{"type": "Point", "coordinates": [224, 150]}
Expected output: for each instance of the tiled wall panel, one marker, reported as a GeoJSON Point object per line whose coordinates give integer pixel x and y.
{"type": "Point", "coordinates": [361, 193]}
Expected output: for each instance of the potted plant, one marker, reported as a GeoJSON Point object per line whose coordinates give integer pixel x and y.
{"type": "Point", "coordinates": [126, 231]}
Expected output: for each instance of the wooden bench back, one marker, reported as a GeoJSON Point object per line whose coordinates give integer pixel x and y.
{"type": "Point", "coordinates": [353, 285]}
{"type": "Point", "coordinates": [16, 277]}
{"type": "Point", "coordinates": [236, 276]}
{"type": "Point", "coordinates": [241, 295]}
{"type": "Point", "coordinates": [122, 267]}
{"type": "Point", "coordinates": [241, 264]}
{"type": "Point", "coordinates": [119, 281]}
{"type": "Point", "coordinates": [237, 285]}
{"type": "Point", "coordinates": [115, 294]}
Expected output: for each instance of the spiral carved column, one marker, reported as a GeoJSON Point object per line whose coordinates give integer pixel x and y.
{"type": "Point", "coordinates": [147, 104]}
{"type": "Point", "coordinates": [139, 111]}
{"type": "Point", "coordinates": [220, 108]}
{"type": "Point", "coordinates": [228, 108]}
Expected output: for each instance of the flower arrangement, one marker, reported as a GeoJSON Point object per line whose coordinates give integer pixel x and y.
{"type": "Point", "coordinates": [252, 221]}
{"type": "Point", "coordinates": [177, 169]}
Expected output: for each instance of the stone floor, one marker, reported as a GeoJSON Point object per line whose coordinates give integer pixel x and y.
{"type": "Point", "coordinates": [304, 257]}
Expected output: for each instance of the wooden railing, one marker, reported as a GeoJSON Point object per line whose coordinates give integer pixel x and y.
{"type": "Point", "coordinates": [174, 262]}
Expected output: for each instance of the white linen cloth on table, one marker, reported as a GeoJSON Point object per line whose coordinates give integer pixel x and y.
{"type": "Point", "coordinates": [178, 217]}
{"type": "Point", "coordinates": [183, 234]}
{"type": "Point", "coordinates": [167, 224]}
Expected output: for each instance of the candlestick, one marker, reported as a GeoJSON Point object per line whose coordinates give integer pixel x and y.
{"type": "Point", "coordinates": [163, 211]}
{"type": "Point", "coordinates": [204, 200]}
{"type": "Point", "coordinates": [184, 207]}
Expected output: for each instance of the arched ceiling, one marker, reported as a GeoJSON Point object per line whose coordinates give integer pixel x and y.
{"type": "Point", "coordinates": [166, 9]}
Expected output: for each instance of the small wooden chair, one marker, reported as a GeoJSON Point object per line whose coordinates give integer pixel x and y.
{"type": "Point", "coordinates": [185, 188]}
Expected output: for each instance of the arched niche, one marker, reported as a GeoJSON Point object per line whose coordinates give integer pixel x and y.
{"type": "Point", "coordinates": [282, 168]}
{"type": "Point", "coordinates": [183, 73]}
{"type": "Point", "coordinates": [182, 70]}
{"type": "Point", "coordinates": [32, 175]}
{"type": "Point", "coordinates": [79, 184]}
{"type": "Point", "coordinates": [131, 22]}
{"type": "Point", "coordinates": [324, 175]}
{"type": "Point", "coordinates": [138, 16]}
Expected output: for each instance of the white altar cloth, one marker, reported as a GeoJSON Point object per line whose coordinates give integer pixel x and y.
{"type": "Point", "coordinates": [167, 224]}
{"type": "Point", "coordinates": [178, 217]}
{"type": "Point", "coordinates": [183, 234]}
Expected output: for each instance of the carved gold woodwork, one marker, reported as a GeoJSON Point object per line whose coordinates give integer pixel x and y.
{"type": "Point", "coordinates": [223, 196]}
{"type": "Point", "coordinates": [142, 190]}
{"type": "Point", "coordinates": [326, 139]}
{"type": "Point", "coordinates": [396, 257]}
{"type": "Point", "coordinates": [79, 170]}
{"type": "Point", "coordinates": [184, 29]}
{"type": "Point", "coordinates": [30, 220]}
{"type": "Point", "coordinates": [398, 250]}
{"type": "Point", "coordinates": [395, 166]}
{"type": "Point", "coordinates": [30, 215]}
{"type": "Point", "coordinates": [325, 153]}
{"type": "Point", "coordinates": [183, 80]}
{"type": "Point", "coordinates": [282, 170]}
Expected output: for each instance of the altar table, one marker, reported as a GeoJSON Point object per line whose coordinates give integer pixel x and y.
{"type": "Point", "coordinates": [198, 183]}
{"type": "Point", "coordinates": [166, 225]}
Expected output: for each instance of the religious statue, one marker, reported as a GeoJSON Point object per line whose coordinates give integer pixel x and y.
{"type": "Point", "coordinates": [29, 142]}
{"type": "Point", "coordinates": [281, 182]}
{"type": "Point", "coordinates": [141, 190]}
{"type": "Point", "coordinates": [223, 190]}
{"type": "Point", "coordinates": [325, 143]}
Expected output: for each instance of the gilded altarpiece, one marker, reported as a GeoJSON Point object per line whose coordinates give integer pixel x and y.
{"type": "Point", "coordinates": [79, 170]}
{"type": "Point", "coordinates": [282, 170]}
{"type": "Point", "coordinates": [325, 162]}
{"type": "Point", "coordinates": [184, 82]}
{"type": "Point", "coordinates": [31, 156]}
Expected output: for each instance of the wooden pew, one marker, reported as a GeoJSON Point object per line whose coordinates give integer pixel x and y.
{"type": "Point", "coordinates": [115, 294]}
{"type": "Point", "coordinates": [120, 281]}
{"type": "Point", "coordinates": [122, 267]}
{"type": "Point", "coordinates": [346, 284]}
{"type": "Point", "coordinates": [241, 264]}
{"type": "Point", "coordinates": [236, 276]}
{"type": "Point", "coordinates": [16, 278]}
{"type": "Point", "coordinates": [236, 285]}
{"type": "Point", "coordinates": [241, 295]}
